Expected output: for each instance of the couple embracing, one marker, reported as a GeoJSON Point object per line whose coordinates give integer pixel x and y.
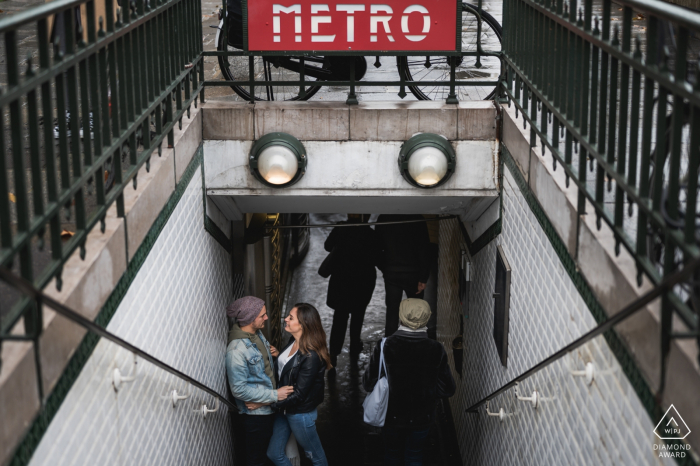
{"type": "Point", "coordinates": [277, 391]}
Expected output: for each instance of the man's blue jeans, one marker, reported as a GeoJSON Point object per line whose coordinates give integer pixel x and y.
{"type": "Point", "coordinates": [410, 441]}
{"type": "Point", "coordinates": [304, 427]}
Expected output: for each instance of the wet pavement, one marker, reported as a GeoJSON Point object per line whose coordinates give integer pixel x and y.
{"type": "Point", "coordinates": [346, 439]}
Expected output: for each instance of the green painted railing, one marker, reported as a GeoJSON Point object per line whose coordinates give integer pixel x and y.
{"type": "Point", "coordinates": [615, 101]}
{"type": "Point", "coordinates": [82, 113]}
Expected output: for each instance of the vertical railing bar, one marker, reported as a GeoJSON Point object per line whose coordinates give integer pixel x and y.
{"type": "Point", "coordinates": [49, 151]}
{"type": "Point", "coordinates": [95, 91]}
{"type": "Point", "coordinates": [634, 125]}
{"type": "Point", "coordinates": [34, 149]}
{"type": "Point", "coordinates": [32, 321]}
{"type": "Point", "coordinates": [105, 85]}
{"type": "Point", "coordinates": [644, 166]}
{"type": "Point", "coordinates": [660, 149]}
{"type": "Point", "coordinates": [251, 78]}
{"type": "Point", "coordinates": [128, 71]}
{"type": "Point", "coordinates": [77, 165]}
{"type": "Point", "coordinates": [5, 215]}
{"type": "Point", "coordinates": [352, 98]}
{"type": "Point", "coordinates": [677, 125]}
{"type": "Point", "coordinates": [612, 108]}
{"type": "Point", "coordinates": [86, 111]}
{"type": "Point", "coordinates": [622, 125]}
{"type": "Point", "coordinates": [693, 163]}
{"type": "Point", "coordinates": [595, 61]}
{"type": "Point", "coordinates": [141, 99]}
{"type": "Point", "coordinates": [302, 77]}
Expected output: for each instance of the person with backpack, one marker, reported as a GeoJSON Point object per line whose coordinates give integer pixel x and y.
{"type": "Point", "coordinates": [418, 375]}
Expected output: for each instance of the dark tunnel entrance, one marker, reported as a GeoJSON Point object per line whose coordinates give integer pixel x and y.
{"type": "Point", "coordinates": [294, 257]}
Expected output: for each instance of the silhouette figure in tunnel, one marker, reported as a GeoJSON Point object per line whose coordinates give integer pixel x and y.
{"type": "Point", "coordinates": [404, 261]}
{"type": "Point", "coordinates": [353, 276]}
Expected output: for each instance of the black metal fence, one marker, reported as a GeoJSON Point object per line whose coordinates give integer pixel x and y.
{"type": "Point", "coordinates": [82, 113]}
{"type": "Point", "coordinates": [611, 92]}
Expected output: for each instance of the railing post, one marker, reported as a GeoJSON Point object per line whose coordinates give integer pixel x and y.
{"type": "Point", "coordinates": [352, 98]}
{"type": "Point", "coordinates": [452, 97]}
{"type": "Point", "coordinates": [251, 77]}
{"type": "Point", "coordinates": [302, 87]}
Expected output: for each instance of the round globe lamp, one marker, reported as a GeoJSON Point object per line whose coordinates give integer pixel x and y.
{"type": "Point", "coordinates": [427, 160]}
{"type": "Point", "coordinates": [278, 160]}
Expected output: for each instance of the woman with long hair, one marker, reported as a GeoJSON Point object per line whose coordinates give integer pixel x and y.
{"type": "Point", "coordinates": [301, 364]}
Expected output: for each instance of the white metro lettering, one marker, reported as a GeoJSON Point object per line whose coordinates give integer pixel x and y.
{"type": "Point", "coordinates": [380, 14]}
{"type": "Point", "coordinates": [276, 10]}
{"type": "Point", "coordinates": [316, 20]}
{"type": "Point", "coordinates": [426, 23]}
{"type": "Point", "coordinates": [375, 20]}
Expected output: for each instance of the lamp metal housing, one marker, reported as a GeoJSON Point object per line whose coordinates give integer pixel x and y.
{"type": "Point", "coordinates": [278, 139]}
{"type": "Point", "coordinates": [421, 141]}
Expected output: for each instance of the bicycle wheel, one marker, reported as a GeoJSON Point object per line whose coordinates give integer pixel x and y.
{"type": "Point", "coordinates": [235, 68]}
{"type": "Point", "coordinates": [486, 68]}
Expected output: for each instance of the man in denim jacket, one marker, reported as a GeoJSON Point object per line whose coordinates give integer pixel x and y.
{"type": "Point", "coordinates": [249, 367]}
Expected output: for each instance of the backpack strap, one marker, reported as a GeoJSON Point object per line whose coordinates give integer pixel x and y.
{"type": "Point", "coordinates": [382, 364]}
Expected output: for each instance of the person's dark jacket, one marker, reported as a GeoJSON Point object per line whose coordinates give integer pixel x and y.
{"type": "Point", "coordinates": [304, 372]}
{"type": "Point", "coordinates": [418, 374]}
{"type": "Point", "coordinates": [353, 273]}
{"type": "Point", "coordinates": [404, 247]}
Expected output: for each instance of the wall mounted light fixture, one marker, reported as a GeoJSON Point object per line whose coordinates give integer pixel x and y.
{"type": "Point", "coordinates": [278, 160]}
{"type": "Point", "coordinates": [427, 160]}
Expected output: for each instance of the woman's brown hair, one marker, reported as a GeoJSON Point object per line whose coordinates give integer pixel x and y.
{"type": "Point", "coordinates": [313, 337]}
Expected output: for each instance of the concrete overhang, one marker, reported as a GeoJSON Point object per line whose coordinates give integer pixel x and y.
{"type": "Point", "coordinates": [352, 157]}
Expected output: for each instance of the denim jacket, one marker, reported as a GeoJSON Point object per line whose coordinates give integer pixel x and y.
{"type": "Point", "coordinates": [245, 369]}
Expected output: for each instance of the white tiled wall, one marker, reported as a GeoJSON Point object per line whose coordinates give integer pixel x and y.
{"type": "Point", "coordinates": [604, 423]}
{"type": "Point", "coordinates": [174, 310]}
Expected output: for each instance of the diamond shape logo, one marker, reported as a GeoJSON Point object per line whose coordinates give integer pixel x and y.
{"type": "Point", "coordinates": [672, 426]}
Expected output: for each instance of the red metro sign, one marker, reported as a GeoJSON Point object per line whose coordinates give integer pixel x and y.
{"type": "Point", "coordinates": [398, 25]}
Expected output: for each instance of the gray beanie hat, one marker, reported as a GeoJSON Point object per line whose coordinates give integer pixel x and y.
{"type": "Point", "coordinates": [245, 310]}
{"type": "Point", "coordinates": [414, 313]}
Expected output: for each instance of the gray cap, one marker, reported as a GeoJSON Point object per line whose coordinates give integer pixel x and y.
{"type": "Point", "coordinates": [414, 313]}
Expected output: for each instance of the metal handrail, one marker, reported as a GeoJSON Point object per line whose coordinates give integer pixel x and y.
{"type": "Point", "coordinates": [628, 311]}
{"type": "Point", "coordinates": [40, 298]}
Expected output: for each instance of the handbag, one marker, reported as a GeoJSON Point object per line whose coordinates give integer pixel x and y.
{"type": "Point", "coordinates": [326, 268]}
{"type": "Point", "coordinates": [377, 402]}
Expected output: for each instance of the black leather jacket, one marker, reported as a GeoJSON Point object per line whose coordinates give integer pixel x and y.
{"type": "Point", "coordinates": [305, 372]}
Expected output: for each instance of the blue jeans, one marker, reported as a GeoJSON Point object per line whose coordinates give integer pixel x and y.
{"type": "Point", "coordinates": [411, 441]}
{"type": "Point", "coordinates": [304, 427]}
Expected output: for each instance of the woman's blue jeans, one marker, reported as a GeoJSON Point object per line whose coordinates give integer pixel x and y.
{"type": "Point", "coordinates": [304, 427]}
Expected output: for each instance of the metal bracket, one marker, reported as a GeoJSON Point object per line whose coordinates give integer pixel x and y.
{"type": "Point", "coordinates": [205, 410]}
{"type": "Point", "coordinates": [118, 379]}
{"type": "Point", "coordinates": [174, 397]}
{"type": "Point", "coordinates": [534, 399]}
{"type": "Point", "coordinates": [588, 373]}
{"type": "Point", "coordinates": [500, 414]}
